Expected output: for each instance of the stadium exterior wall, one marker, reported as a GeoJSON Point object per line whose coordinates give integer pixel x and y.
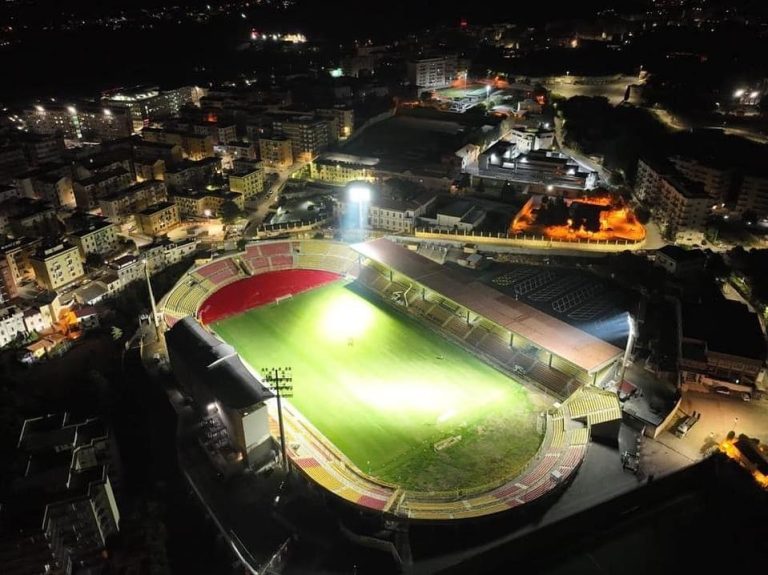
{"type": "Point", "coordinates": [540, 242]}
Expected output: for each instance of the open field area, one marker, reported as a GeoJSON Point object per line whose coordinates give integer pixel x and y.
{"type": "Point", "coordinates": [400, 402]}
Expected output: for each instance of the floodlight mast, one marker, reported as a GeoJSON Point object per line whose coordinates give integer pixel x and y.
{"type": "Point", "coordinates": [630, 344]}
{"type": "Point", "coordinates": [279, 380]}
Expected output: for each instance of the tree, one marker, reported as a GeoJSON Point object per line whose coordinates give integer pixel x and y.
{"type": "Point", "coordinates": [229, 212]}
{"type": "Point", "coordinates": [643, 214]}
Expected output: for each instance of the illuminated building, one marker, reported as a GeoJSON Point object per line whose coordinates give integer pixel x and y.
{"type": "Point", "coordinates": [343, 118]}
{"type": "Point", "coordinates": [505, 161]}
{"type": "Point", "coordinates": [308, 135]}
{"type": "Point", "coordinates": [247, 178]}
{"type": "Point", "coordinates": [189, 173]}
{"type": "Point", "coordinates": [11, 324]}
{"type": "Point", "coordinates": [276, 151]}
{"type": "Point", "coordinates": [57, 265]}
{"type": "Point", "coordinates": [80, 121]}
{"type": "Point", "coordinates": [398, 215]}
{"type": "Point", "coordinates": [128, 268]}
{"type": "Point", "coordinates": [195, 146]}
{"type": "Point", "coordinates": [205, 203]}
{"type": "Point", "coordinates": [338, 168]}
{"type": "Point", "coordinates": [433, 73]}
{"type": "Point", "coordinates": [14, 265]}
{"type": "Point", "coordinates": [100, 237]}
{"type": "Point", "coordinates": [148, 104]}
{"type": "Point", "coordinates": [89, 190]}
{"type": "Point", "coordinates": [122, 203]}
{"type": "Point", "coordinates": [157, 219]}
{"type": "Point", "coordinates": [529, 139]}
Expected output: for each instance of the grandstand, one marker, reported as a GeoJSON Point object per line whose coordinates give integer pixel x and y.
{"type": "Point", "coordinates": [508, 333]}
{"type": "Point", "coordinates": [194, 288]}
{"type": "Point", "coordinates": [517, 339]}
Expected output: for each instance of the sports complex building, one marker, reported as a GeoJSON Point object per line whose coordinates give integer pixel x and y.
{"type": "Point", "coordinates": [421, 393]}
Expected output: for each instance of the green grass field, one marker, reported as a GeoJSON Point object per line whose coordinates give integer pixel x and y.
{"type": "Point", "coordinates": [384, 390]}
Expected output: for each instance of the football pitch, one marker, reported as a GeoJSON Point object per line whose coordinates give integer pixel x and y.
{"type": "Point", "coordinates": [401, 402]}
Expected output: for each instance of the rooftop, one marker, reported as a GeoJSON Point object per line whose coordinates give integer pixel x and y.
{"type": "Point", "coordinates": [217, 364]}
{"type": "Point", "coordinates": [570, 343]}
{"type": "Point", "coordinates": [681, 255]}
{"type": "Point", "coordinates": [154, 208]}
{"type": "Point", "coordinates": [726, 326]}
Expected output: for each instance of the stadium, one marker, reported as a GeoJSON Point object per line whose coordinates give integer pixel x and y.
{"type": "Point", "coordinates": [419, 393]}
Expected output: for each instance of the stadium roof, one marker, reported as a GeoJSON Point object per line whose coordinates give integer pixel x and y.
{"type": "Point", "coordinates": [216, 364]}
{"type": "Point", "coordinates": [570, 343]}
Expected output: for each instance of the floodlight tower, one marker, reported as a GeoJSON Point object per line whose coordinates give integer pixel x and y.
{"type": "Point", "coordinates": [360, 194]}
{"type": "Point", "coordinates": [278, 380]}
{"type": "Point", "coordinates": [630, 344]}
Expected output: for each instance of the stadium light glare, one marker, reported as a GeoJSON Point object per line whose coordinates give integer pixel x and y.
{"type": "Point", "coordinates": [346, 319]}
{"type": "Point", "coordinates": [360, 193]}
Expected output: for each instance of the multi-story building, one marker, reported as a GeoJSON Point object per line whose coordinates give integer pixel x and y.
{"type": "Point", "coordinates": [146, 104]}
{"type": "Point", "coordinates": [753, 195]}
{"type": "Point", "coordinates": [11, 324]}
{"type": "Point", "coordinates": [433, 73]}
{"type": "Point", "coordinates": [164, 253]}
{"type": "Point", "coordinates": [242, 150]}
{"type": "Point", "coordinates": [680, 262]}
{"type": "Point", "coordinates": [30, 217]}
{"type": "Point", "coordinates": [205, 204]}
{"type": "Point", "coordinates": [247, 178]}
{"type": "Point", "coordinates": [544, 167]}
{"type": "Point", "coordinates": [99, 237]}
{"type": "Point", "coordinates": [309, 135]}
{"type": "Point", "coordinates": [128, 268]}
{"type": "Point", "coordinates": [397, 215]}
{"type": "Point", "coordinates": [15, 268]}
{"type": "Point", "coordinates": [650, 173]}
{"type": "Point", "coordinates": [56, 265]}
{"type": "Point", "coordinates": [528, 139]}
{"type": "Point", "coordinates": [145, 150]}
{"type": "Point", "coordinates": [53, 185]}
{"type": "Point", "coordinates": [276, 151]}
{"type": "Point", "coordinates": [195, 146]}
{"type": "Point", "coordinates": [157, 219]}
{"type": "Point", "coordinates": [336, 168]}
{"type": "Point", "coordinates": [149, 170]}
{"type": "Point", "coordinates": [682, 209]}
{"type": "Point", "coordinates": [218, 132]}
{"type": "Point", "coordinates": [89, 190]}
{"type": "Point", "coordinates": [123, 203]}
{"type": "Point", "coordinates": [343, 118]}
{"type": "Point", "coordinates": [722, 345]}
{"type": "Point", "coordinates": [718, 181]}
{"type": "Point", "coordinates": [82, 121]}
{"type": "Point", "coordinates": [63, 500]}
{"type": "Point", "coordinates": [192, 174]}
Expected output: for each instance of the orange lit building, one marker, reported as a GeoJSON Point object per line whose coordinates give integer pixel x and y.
{"type": "Point", "coordinates": [616, 221]}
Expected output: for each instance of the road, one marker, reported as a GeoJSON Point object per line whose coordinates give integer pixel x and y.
{"type": "Point", "coordinates": [256, 217]}
{"type": "Point", "coordinates": [613, 90]}
{"type": "Point", "coordinates": [678, 123]}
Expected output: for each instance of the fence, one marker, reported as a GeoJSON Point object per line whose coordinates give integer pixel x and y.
{"type": "Point", "coordinates": [531, 241]}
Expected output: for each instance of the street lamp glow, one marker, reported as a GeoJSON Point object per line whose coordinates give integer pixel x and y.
{"type": "Point", "coordinates": [360, 194]}
{"type": "Point", "coordinates": [754, 94]}
{"type": "Point", "coordinates": [71, 110]}
{"type": "Point", "coordinates": [39, 108]}
{"type": "Point", "coordinates": [107, 112]}
{"type": "Point", "coordinates": [739, 93]}
{"type": "Point", "coordinates": [207, 213]}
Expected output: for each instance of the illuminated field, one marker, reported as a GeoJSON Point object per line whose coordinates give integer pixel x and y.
{"type": "Point", "coordinates": [385, 390]}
